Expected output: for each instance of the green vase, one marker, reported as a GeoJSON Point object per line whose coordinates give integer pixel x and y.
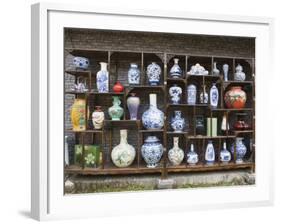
{"type": "Point", "coordinates": [91, 155]}
{"type": "Point", "coordinates": [116, 112]}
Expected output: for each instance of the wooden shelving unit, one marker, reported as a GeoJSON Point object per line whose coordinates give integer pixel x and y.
{"type": "Point", "coordinates": [116, 59]}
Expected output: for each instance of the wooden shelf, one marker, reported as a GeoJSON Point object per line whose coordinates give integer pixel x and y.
{"type": "Point", "coordinates": [231, 109]}
{"type": "Point", "coordinates": [205, 76]}
{"type": "Point", "coordinates": [239, 82]}
{"type": "Point", "coordinates": [78, 72]}
{"type": "Point", "coordinates": [210, 137]}
{"type": "Point", "coordinates": [76, 93]}
{"type": "Point", "coordinates": [151, 130]}
{"type": "Point", "coordinates": [242, 131]}
{"type": "Point", "coordinates": [109, 93]}
{"type": "Point", "coordinates": [176, 80]}
{"type": "Point", "coordinates": [187, 105]}
{"type": "Point", "coordinates": [86, 131]}
{"type": "Point", "coordinates": [146, 87]}
{"type": "Point", "coordinates": [176, 133]}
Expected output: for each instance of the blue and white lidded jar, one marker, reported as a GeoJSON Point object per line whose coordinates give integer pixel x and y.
{"type": "Point", "coordinates": [153, 73]}
{"type": "Point", "coordinates": [134, 74]}
{"type": "Point", "coordinates": [175, 93]}
{"type": "Point", "coordinates": [241, 149]}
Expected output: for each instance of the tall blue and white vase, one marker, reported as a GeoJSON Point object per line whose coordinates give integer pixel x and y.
{"type": "Point", "coordinates": [175, 93]}
{"type": "Point", "coordinates": [210, 153]}
{"type": "Point", "coordinates": [214, 96]}
{"type": "Point", "coordinates": [134, 74]}
{"type": "Point", "coordinates": [225, 155]}
{"type": "Point", "coordinates": [177, 122]}
{"type": "Point", "coordinates": [103, 79]}
{"type": "Point", "coordinates": [153, 118]}
{"type": "Point", "coordinates": [191, 94]}
{"type": "Point", "coordinates": [241, 150]}
{"type": "Point", "coordinates": [152, 151]}
{"type": "Point", "coordinates": [175, 71]}
{"type": "Point", "coordinates": [153, 72]}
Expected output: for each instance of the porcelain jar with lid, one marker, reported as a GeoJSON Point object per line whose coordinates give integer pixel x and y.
{"type": "Point", "coordinates": [153, 73]}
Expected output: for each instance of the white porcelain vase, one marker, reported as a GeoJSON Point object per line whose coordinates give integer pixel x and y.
{"type": "Point", "coordinates": [176, 154]}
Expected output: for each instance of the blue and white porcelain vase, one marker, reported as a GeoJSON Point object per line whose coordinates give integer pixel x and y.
{"type": "Point", "coordinates": [192, 156]}
{"type": "Point", "coordinates": [133, 103]}
{"type": "Point", "coordinates": [241, 149]}
{"type": "Point", "coordinates": [153, 73]}
{"type": "Point", "coordinates": [175, 71]}
{"type": "Point", "coordinates": [175, 93]}
{"type": "Point", "coordinates": [152, 151]}
{"type": "Point", "coordinates": [210, 153]}
{"type": "Point", "coordinates": [176, 154]}
{"type": "Point", "coordinates": [214, 96]}
{"type": "Point", "coordinates": [134, 74]}
{"type": "Point", "coordinates": [103, 79]}
{"type": "Point", "coordinates": [123, 154]}
{"type": "Point", "coordinates": [177, 122]}
{"type": "Point", "coordinates": [191, 94]}
{"type": "Point", "coordinates": [81, 63]}
{"type": "Point", "coordinates": [153, 118]}
{"type": "Point", "coordinates": [225, 155]}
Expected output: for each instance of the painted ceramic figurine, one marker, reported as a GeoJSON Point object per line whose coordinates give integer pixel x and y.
{"type": "Point", "coordinates": [239, 74]}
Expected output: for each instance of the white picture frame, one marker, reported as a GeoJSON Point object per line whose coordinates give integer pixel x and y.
{"type": "Point", "coordinates": [48, 201]}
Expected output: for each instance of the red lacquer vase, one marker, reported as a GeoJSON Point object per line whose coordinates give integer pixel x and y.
{"type": "Point", "coordinates": [235, 98]}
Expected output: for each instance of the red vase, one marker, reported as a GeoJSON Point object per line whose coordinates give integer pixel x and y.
{"type": "Point", "coordinates": [235, 98]}
{"type": "Point", "coordinates": [118, 88]}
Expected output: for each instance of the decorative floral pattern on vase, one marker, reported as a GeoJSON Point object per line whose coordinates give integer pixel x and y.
{"type": "Point", "coordinates": [241, 150]}
{"type": "Point", "coordinates": [175, 71]}
{"type": "Point", "coordinates": [98, 118]}
{"type": "Point", "coordinates": [191, 94]}
{"type": "Point", "coordinates": [134, 74]}
{"type": "Point", "coordinates": [78, 115]}
{"type": "Point", "coordinates": [214, 96]}
{"type": "Point", "coordinates": [103, 79]}
{"type": "Point", "coordinates": [152, 151]}
{"type": "Point", "coordinates": [123, 154]}
{"type": "Point", "coordinates": [225, 69]}
{"type": "Point", "coordinates": [153, 118]}
{"type": "Point", "coordinates": [197, 69]}
{"type": "Point", "coordinates": [175, 93]}
{"type": "Point", "coordinates": [153, 72]}
{"type": "Point", "coordinates": [204, 96]}
{"type": "Point", "coordinates": [225, 155]}
{"type": "Point", "coordinates": [235, 98]}
{"type": "Point", "coordinates": [216, 71]}
{"type": "Point", "coordinates": [210, 153]}
{"type": "Point", "coordinates": [176, 154]}
{"type": "Point", "coordinates": [116, 112]}
{"type": "Point", "coordinates": [133, 103]}
{"type": "Point", "coordinates": [177, 122]}
{"type": "Point", "coordinates": [192, 156]}
{"type": "Point", "coordinates": [81, 62]}
{"type": "Point", "coordinates": [239, 75]}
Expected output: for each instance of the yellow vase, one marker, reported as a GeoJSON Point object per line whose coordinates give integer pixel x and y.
{"type": "Point", "coordinates": [78, 115]}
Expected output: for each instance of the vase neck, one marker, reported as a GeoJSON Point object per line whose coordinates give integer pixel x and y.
{"type": "Point", "coordinates": [176, 61]}
{"type": "Point", "coordinates": [103, 66]}
{"type": "Point", "coordinates": [153, 100]}
{"type": "Point", "coordinates": [191, 148]}
{"type": "Point", "coordinates": [176, 142]}
{"type": "Point", "coordinates": [123, 136]}
{"type": "Point", "coordinates": [224, 145]}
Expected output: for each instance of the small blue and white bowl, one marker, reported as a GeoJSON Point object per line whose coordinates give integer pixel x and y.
{"type": "Point", "coordinates": [81, 62]}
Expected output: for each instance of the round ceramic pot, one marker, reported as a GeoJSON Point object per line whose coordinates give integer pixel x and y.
{"type": "Point", "coordinates": [98, 118]}
{"type": "Point", "coordinates": [134, 74]}
{"type": "Point", "coordinates": [153, 72]}
{"type": "Point", "coordinates": [152, 151]}
{"type": "Point", "coordinates": [241, 150]}
{"type": "Point", "coordinates": [123, 154]}
{"type": "Point", "coordinates": [133, 103]}
{"type": "Point", "coordinates": [235, 97]}
{"type": "Point", "coordinates": [81, 62]}
{"type": "Point", "coordinates": [175, 94]}
{"type": "Point", "coordinates": [116, 112]}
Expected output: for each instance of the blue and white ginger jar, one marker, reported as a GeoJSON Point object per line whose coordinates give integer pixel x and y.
{"type": "Point", "coordinates": [175, 93]}
{"type": "Point", "coordinates": [177, 122]}
{"type": "Point", "coordinates": [152, 151]}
